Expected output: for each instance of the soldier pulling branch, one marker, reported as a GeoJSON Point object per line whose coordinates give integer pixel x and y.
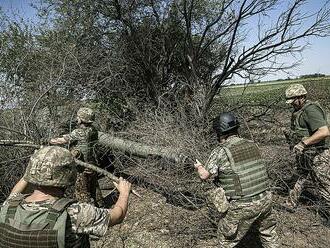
{"type": "Point", "coordinates": [82, 141]}
{"type": "Point", "coordinates": [241, 195]}
{"type": "Point", "coordinates": [46, 219]}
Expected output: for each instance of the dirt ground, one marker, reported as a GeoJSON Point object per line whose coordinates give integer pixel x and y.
{"type": "Point", "coordinates": [151, 222]}
{"type": "Point", "coordinates": [154, 222]}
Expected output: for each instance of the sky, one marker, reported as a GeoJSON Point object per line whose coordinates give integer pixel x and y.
{"type": "Point", "coordinates": [315, 59]}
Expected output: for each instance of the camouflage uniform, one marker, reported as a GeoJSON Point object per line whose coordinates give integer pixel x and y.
{"type": "Point", "coordinates": [313, 163]}
{"type": "Point", "coordinates": [82, 141]}
{"type": "Point", "coordinates": [242, 212]}
{"type": "Point", "coordinates": [56, 222]}
{"type": "Point", "coordinates": [83, 219]}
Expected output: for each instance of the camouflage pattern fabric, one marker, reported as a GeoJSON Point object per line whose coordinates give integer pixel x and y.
{"type": "Point", "coordinates": [295, 193]}
{"type": "Point", "coordinates": [216, 198]}
{"type": "Point", "coordinates": [293, 91]}
{"type": "Point", "coordinates": [86, 115]}
{"type": "Point", "coordinates": [315, 171]}
{"type": "Point", "coordinates": [51, 166]}
{"type": "Point", "coordinates": [84, 218]}
{"type": "Point", "coordinates": [241, 217]}
{"type": "Point", "coordinates": [87, 189]}
{"type": "Point", "coordinates": [321, 165]}
{"type": "Point", "coordinates": [313, 165]}
{"type": "Point", "coordinates": [218, 157]}
{"type": "Point", "coordinates": [83, 141]}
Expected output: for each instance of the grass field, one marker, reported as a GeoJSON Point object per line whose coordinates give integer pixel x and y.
{"type": "Point", "coordinates": [262, 93]}
{"type": "Point", "coordinates": [272, 85]}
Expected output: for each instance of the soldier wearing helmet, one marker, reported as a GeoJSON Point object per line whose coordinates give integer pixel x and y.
{"type": "Point", "coordinates": [308, 133]}
{"type": "Point", "coordinates": [241, 194]}
{"type": "Point", "coordinates": [82, 141]}
{"type": "Point", "coordinates": [46, 218]}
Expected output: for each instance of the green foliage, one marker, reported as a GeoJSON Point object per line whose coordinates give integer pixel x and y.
{"type": "Point", "coordinates": [141, 53]}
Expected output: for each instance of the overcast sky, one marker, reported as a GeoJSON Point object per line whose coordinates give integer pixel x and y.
{"type": "Point", "coordinates": [316, 59]}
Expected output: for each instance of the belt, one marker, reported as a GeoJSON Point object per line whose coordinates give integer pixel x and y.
{"type": "Point", "coordinates": [251, 198]}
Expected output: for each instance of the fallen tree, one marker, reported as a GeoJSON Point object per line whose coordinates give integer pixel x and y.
{"type": "Point", "coordinates": [139, 149]}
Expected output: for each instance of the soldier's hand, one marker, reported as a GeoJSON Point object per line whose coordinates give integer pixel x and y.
{"type": "Point", "coordinates": [124, 187]}
{"type": "Point", "coordinates": [299, 148]}
{"type": "Point", "coordinates": [197, 164]}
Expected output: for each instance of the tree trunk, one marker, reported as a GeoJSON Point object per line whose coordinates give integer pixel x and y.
{"type": "Point", "coordinates": [139, 149]}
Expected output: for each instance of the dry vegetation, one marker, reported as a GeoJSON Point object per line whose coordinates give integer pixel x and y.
{"type": "Point", "coordinates": [152, 71]}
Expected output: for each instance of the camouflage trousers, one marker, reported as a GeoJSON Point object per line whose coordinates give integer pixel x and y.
{"type": "Point", "coordinates": [87, 188]}
{"type": "Point", "coordinates": [319, 176]}
{"type": "Point", "coordinates": [244, 216]}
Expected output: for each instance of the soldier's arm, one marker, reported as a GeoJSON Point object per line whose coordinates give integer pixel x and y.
{"type": "Point", "coordinates": [88, 219]}
{"type": "Point", "coordinates": [58, 141]}
{"type": "Point", "coordinates": [118, 212]}
{"type": "Point", "coordinates": [212, 167]}
{"type": "Point", "coordinates": [319, 135]}
{"type": "Point", "coordinates": [20, 186]}
{"type": "Point", "coordinates": [67, 138]}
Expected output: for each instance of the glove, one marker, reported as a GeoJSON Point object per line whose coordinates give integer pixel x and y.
{"type": "Point", "coordinates": [299, 148]}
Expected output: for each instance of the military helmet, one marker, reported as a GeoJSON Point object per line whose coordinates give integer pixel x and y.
{"type": "Point", "coordinates": [225, 122]}
{"type": "Point", "coordinates": [86, 115]}
{"type": "Point", "coordinates": [51, 166]}
{"type": "Point", "coordinates": [294, 90]}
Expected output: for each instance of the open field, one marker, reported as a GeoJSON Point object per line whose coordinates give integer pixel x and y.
{"type": "Point", "coordinates": [273, 85]}
{"type": "Point", "coordinates": [273, 92]}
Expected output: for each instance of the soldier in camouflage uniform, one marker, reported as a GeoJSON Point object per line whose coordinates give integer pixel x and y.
{"type": "Point", "coordinates": [308, 139]}
{"type": "Point", "coordinates": [81, 142]}
{"type": "Point", "coordinates": [45, 219]}
{"type": "Point", "coordinates": [241, 194]}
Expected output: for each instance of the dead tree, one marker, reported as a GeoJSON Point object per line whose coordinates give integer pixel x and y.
{"type": "Point", "coordinates": [253, 38]}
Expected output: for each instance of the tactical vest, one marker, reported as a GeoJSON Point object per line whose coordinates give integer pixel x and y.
{"type": "Point", "coordinates": [85, 146]}
{"type": "Point", "coordinates": [42, 228]}
{"type": "Point", "coordinates": [247, 175]}
{"type": "Point", "coordinates": [299, 131]}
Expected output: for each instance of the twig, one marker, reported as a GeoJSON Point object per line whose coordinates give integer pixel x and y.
{"type": "Point", "coordinates": [12, 130]}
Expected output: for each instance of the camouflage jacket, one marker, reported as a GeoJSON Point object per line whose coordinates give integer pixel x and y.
{"type": "Point", "coordinates": [82, 140]}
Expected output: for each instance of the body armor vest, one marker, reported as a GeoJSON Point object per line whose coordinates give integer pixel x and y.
{"type": "Point", "coordinates": [247, 175]}
{"type": "Point", "coordinates": [42, 228]}
{"type": "Point", "coordinates": [85, 146]}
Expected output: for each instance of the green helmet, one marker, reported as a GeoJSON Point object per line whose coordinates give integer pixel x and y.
{"type": "Point", "coordinates": [294, 90]}
{"type": "Point", "coordinates": [51, 166]}
{"type": "Point", "coordinates": [86, 115]}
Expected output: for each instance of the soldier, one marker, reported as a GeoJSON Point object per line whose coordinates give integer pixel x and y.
{"type": "Point", "coordinates": [82, 141]}
{"type": "Point", "coordinates": [307, 136]}
{"type": "Point", "coordinates": [241, 194]}
{"type": "Point", "coordinates": [47, 219]}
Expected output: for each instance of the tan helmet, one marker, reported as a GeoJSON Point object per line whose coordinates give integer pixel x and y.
{"type": "Point", "coordinates": [294, 90]}
{"type": "Point", "coordinates": [86, 115]}
{"type": "Point", "coordinates": [51, 166]}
